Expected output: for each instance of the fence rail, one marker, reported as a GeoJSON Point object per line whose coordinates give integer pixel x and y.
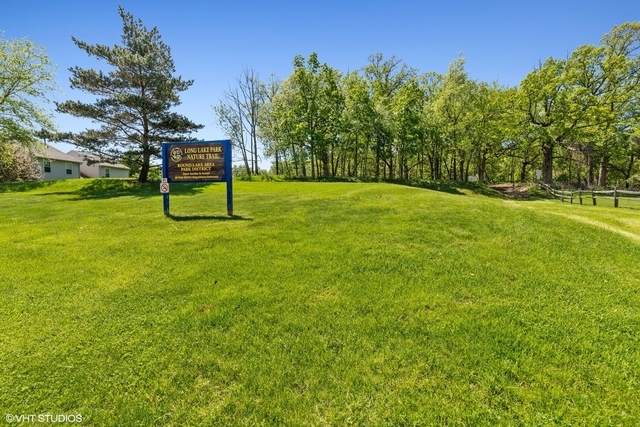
{"type": "Point", "coordinates": [593, 194]}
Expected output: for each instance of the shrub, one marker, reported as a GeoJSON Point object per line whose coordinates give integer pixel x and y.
{"type": "Point", "coordinates": [17, 164]}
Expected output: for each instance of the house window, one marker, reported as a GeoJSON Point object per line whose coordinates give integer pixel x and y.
{"type": "Point", "coordinates": [47, 166]}
{"type": "Point", "coordinates": [107, 173]}
{"type": "Point", "coordinates": [69, 168]}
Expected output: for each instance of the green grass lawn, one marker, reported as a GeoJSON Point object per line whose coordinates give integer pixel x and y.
{"type": "Point", "coordinates": [318, 304]}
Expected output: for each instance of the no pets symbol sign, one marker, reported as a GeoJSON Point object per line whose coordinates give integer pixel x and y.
{"type": "Point", "coordinates": [164, 186]}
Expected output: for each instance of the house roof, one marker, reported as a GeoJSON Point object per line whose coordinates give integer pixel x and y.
{"type": "Point", "coordinates": [54, 154]}
{"type": "Point", "coordinates": [83, 156]}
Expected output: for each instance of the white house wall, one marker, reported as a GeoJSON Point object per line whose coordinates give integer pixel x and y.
{"type": "Point", "coordinates": [113, 172]}
{"type": "Point", "coordinates": [90, 171]}
{"type": "Point", "coordinates": [59, 170]}
{"type": "Point", "coordinates": [98, 170]}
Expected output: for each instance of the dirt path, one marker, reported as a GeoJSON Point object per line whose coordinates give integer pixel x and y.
{"type": "Point", "coordinates": [512, 191]}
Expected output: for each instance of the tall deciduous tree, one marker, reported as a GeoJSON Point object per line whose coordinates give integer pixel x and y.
{"type": "Point", "coordinates": [26, 77]}
{"type": "Point", "coordinates": [550, 103]}
{"type": "Point", "coordinates": [407, 107]}
{"type": "Point", "coordinates": [491, 123]}
{"type": "Point", "coordinates": [358, 121]}
{"type": "Point", "coordinates": [610, 73]}
{"type": "Point", "coordinates": [136, 97]}
{"type": "Point", "coordinates": [268, 126]}
{"type": "Point", "coordinates": [307, 111]}
{"type": "Point", "coordinates": [452, 107]}
{"type": "Point", "coordinates": [237, 114]}
{"type": "Point", "coordinates": [385, 78]}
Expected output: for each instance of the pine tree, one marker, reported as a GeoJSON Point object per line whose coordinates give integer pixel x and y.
{"type": "Point", "coordinates": [136, 96]}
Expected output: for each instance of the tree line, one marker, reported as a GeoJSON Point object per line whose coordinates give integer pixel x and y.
{"type": "Point", "coordinates": [574, 120]}
{"type": "Point", "coordinates": [571, 120]}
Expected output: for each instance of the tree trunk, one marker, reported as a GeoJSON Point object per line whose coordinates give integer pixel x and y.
{"type": "Point", "coordinates": [255, 145]}
{"type": "Point", "coordinates": [448, 169]}
{"type": "Point", "coordinates": [313, 161]}
{"type": "Point", "coordinates": [547, 164]}
{"type": "Point", "coordinates": [455, 168]}
{"type": "Point", "coordinates": [627, 173]}
{"type": "Point", "coordinates": [377, 159]}
{"type": "Point", "coordinates": [433, 166]}
{"type": "Point", "coordinates": [467, 170]}
{"type": "Point", "coordinates": [144, 169]}
{"type": "Point", "coordinates": [355, 159]}
{"type": "Point", "coordinates": [246, 160]}
{"type": "Point", "coordinates": [325, 163]}
{"type": "Point", "coordinates": [463, 162]}
{"type": "Point", "coordinates": [482, 167]}
{"type": "Point", "coordinates": [303, 162]}
{"type": "Point", "coordinates": [569, 158]}
{"type": "Point", "coordinates": [590, 174]}
{"type": "Point", "coordinates": [578, 173]}
{"type": "Point", "coordinates": [604, 169]}
{"type": "Point", "coordinates": [523, 170]}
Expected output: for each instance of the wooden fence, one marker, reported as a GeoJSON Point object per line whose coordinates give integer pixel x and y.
{"type": "Point", "coordinates": [614, 194]}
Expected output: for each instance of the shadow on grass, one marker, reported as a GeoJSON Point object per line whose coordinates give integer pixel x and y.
{"type": "Point", "coordinates": [97, 189]}
{"type": "Point", "coordinates": [21, 187]}
{"type": "Point", "coordinates": [434, 185]}
{"type": "Point", "coordinates": [521, 192]}
{"type": "Point", "coordinates": [451, 187]}
{"type": "Point", "coordinates": [106, 189]}
{"type": "Point", "coordinates": [208, 218]}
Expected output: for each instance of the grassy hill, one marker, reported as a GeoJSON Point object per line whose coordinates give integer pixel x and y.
{"type": "Point", "coordinates": [318, 304]}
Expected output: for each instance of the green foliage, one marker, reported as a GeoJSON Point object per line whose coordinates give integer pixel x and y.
{"type": "Point", "coordinates": [567, 117]}
{"type": "Point", "coordinates": [136, 97]}
{"type": "Point", "coordinates": [27, 76]}
{"type": "Point", "coordinates": [319, 304]}
{"type": "Point", "coordinates": [586, 103]}
{"type": "Point", "coordinates": [308, 112]}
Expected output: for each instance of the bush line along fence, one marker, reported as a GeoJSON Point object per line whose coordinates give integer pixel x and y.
{"type": "Point", "coordinates": [614, 194]}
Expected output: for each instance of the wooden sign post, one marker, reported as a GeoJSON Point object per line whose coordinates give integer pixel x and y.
{"type": "Point", "coordinates": [196, 161]}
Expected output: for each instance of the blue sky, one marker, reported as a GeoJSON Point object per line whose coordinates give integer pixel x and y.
{"type": "Point", "coordinates": [212, 41]}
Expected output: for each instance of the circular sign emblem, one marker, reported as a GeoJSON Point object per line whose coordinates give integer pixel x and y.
{"type": "Point", "coordinates": [176, 154]}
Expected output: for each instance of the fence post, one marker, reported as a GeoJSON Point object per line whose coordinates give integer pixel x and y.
{"type": "Point", "coordinates": [580, 195]}
{"type": "Point", "coordinates": [571, 196]}
{"type": "Point", "coordinates": [562, 195]}
{"type": "Point", "coordinates": [615, 197]}
{"type": "Point", "coordinates": [593, 197]}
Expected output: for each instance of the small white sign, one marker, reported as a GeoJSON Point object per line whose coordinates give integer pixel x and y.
{"type": "Point", "coordinates": [472, 178]}
{"type": "Point", "coordinates": [538, 174]}
{"type": "Point", "coordinates": [164, 186]}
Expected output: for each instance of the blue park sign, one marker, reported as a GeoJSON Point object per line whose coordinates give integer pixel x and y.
{"type": "Point", "coordinates": [196, 161]}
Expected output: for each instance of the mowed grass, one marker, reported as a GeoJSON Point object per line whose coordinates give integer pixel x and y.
{"type": "Point", "coordinates": [317, 304]}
